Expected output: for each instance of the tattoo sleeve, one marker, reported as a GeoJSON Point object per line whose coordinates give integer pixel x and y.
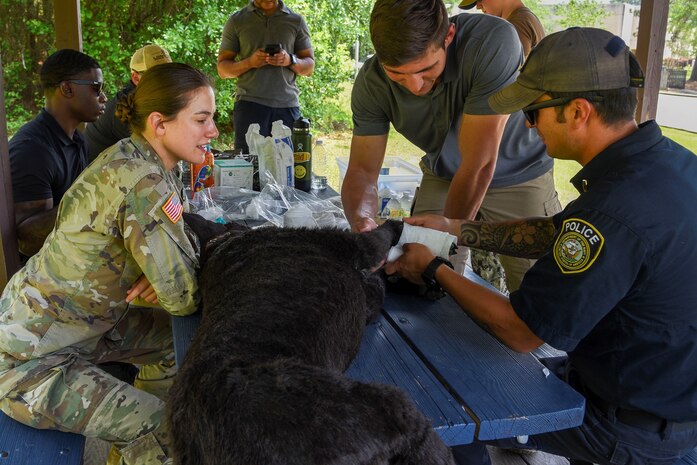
{"type": "Point", "coordinates": [525, 238]}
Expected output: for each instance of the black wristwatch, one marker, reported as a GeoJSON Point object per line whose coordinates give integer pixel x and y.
{"type": "Point", "coordinates": [429, 274]}
{"type": "Point", "coordinates": [293, 60]}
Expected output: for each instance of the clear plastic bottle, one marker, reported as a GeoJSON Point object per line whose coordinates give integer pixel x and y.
{"type": "Point", "coordinates": [384, 196]}
{"type": "Point", "coordinates": [320, 160]}
{"type": "Point", "coordinates": [393, 209]}
{"type": "Point", "coordinates": [405, 203]}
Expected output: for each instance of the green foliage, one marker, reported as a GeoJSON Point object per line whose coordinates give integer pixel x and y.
{"type": "Point", "coordinates": [585, 13]}
{"type": "Point", "coordinates": [27, 34]}
{"type": "Point", "coordinates": [682, 26]}
{"type": "Point", "coordinates": [543, 13]}
{"type": "Point", "coordinates": [191, 30]}
{"type": "Point", "coordinates": [334, 26]}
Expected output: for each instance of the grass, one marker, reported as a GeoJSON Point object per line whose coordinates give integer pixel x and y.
{"type": "Point", "coordinates": [338, 144]}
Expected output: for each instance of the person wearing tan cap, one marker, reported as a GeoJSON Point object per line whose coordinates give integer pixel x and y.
{"type": "Point", "coordinates": [108, 129]}
{"type": "Point", "coordinates": [526, 23]}
{"type": "Point", "coordinates": [614, 282]}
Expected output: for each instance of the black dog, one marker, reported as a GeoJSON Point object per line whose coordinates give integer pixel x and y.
{"type": "Point", "coordinates": [283, 315]}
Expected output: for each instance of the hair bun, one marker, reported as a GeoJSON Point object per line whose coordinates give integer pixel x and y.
{"type": "Point", "coordinates": [125, 108]}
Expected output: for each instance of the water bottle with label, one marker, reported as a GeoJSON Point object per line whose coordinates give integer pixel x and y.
{"type": "Point", "coordinates": [384, 196]}
{"type": "Point", "coordinates": [393, 209]}
{"type": "Point", "coordinates": [302, 154]}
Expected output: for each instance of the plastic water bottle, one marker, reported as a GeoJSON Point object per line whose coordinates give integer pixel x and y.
{"type": "Point", "coordinates": [405, 203]}
{"type": "Point", "coordinates": [320, 159]}
{"type": "Point", "coordinates": [384, 196]}
{"type": "Point", "coordinates": [393, 209]}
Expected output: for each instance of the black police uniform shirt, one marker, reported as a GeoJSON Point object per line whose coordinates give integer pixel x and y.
{"type": "Point", "coordinates": [44, 161]}
{"type": "Point", "coordinates": [618, 291]}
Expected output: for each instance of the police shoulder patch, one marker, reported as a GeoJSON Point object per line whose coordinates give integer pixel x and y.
{"type": "Point", "coordinates": [577, 246]}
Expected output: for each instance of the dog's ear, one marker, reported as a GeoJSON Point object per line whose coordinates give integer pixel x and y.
{"type": "Point", "coordinates": [207, 231]}
{"type": "Point", "coordinates": [204, 229]}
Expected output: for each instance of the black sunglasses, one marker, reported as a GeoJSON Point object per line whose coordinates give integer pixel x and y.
{"type": "Point", "coordinates": [530, 111]}
{"type": "Point", "coordinates": [97, 86]}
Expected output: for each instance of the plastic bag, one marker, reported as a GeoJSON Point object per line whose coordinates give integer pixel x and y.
{"type": "Point", "coordinates": [305, 209]}
{"type": "Point", "coordinates": [223, 204]}
{"type": "Point", "coordinates": [282, 206]}
{"type": "Point", "coordinates": [275, 153]}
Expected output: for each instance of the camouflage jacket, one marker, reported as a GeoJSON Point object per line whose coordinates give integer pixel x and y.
{"type": "Point", "coordinates": [120, 219]}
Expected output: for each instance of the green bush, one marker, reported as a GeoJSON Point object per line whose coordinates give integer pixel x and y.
{"type": "Point", "coordinates": [191, 30]}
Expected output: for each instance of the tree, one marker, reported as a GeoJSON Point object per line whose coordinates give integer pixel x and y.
{"type": "Point", "coordinates": [190, 29]}
{"type": "Point", "coordinates": [682, 26]}
{"type": "Point", "coordinates": [27, 33]}
{"type": "Point", "coordinates": [585, 13]}
{"type": "Point", "coordinates": [543, 12]}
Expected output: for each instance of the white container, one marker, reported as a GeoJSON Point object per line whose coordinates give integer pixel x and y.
{"type": "Point", "coordinates": [399, 175]}
{"type": "Point", "coordinates": [233, 173]}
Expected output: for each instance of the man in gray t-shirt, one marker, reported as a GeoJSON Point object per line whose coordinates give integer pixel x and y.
{"type": "Point", "coordinates": [266, 90]}
{"type": "Point", "coordinates": [430, 78]}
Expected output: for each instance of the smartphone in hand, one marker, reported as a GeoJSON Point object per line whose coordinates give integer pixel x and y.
{"type": "Point", "coordinates": [273, 49]}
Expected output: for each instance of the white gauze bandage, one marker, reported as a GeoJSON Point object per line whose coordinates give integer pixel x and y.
{"type": "Point", "coordinates": [438, 242]}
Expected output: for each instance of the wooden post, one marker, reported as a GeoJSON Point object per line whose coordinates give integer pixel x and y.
{"type": "Point", "coordinates": [653, 21]}
{"type": "Point", "coordinates": [9, 256]}
{"type": "Point", "coordinates": [66, 19]}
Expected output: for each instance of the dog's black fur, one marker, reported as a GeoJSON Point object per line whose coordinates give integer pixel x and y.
{"type": "Point", "coordinates": [283, 315]}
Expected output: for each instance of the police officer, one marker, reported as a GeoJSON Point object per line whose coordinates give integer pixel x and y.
{"type": "Point", "coordinates": [119, 235]}
{"type": "Point", "coordinates": [614, 283]}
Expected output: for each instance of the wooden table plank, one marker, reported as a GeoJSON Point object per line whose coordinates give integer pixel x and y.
{"type": "Point", "coordinates": [508, 394]}
{"type": "Point", "coordinates": [384, 357]}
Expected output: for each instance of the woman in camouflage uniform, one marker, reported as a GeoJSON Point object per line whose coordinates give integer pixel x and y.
{"type": "Point", "coordinates": [119, 235]}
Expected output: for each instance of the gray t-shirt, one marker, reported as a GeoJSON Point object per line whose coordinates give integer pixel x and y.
{"type": "Point", "coordinates": [484, 57]}
{"type": "Point", "coordinates": [248, 30]}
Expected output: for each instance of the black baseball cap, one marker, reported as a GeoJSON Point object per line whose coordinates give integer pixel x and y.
{"type": "Point", "coordinates": [579, 59]}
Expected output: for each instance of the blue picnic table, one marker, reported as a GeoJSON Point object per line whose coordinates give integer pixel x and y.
{"type": "Point", "coordinates": [467, 382]}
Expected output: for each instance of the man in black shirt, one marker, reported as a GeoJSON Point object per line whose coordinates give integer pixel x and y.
{"type": "Point", "coordinates": [108, 129]}
{"type": "Point", "coordinates": [48, 153]}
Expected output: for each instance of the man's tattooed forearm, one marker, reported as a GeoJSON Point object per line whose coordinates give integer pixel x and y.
{"type": "Point", "coordinates": [469, 233]}
{"type": "Point", "coordinates": [529, 238]}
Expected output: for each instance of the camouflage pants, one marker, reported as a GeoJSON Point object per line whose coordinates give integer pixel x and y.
{"type": "Point", "coordinates": [69, 392]}
{"type": "Point", "coordinates": [488, 266]}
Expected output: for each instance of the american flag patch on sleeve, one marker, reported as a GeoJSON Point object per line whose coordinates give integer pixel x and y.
{"type": "Point", "coordinates": [173, 208]}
